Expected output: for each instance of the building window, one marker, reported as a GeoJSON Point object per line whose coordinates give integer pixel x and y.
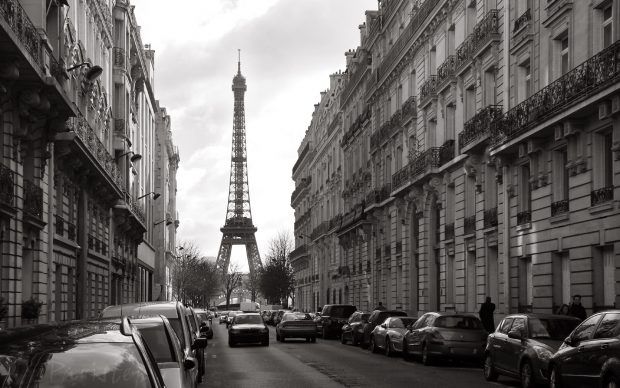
{"type": "Point", "coordinates": [399, 96]}
{"type": "Point", "coordinates": [564, 55]}
{"type": "Point", "coordinates": [489, 87]}
{"type": "Point", "coordinates": [470, 102]}
{"type": "Point", "coordinates": [604, 270]}
{"type": "Point", "coordinates": [561, 279]}
{"type": "Point", "coordinates": [524, 188]}
{"type": "Point", "coordinates": [560, 182]}
{"type": "Point", "coordinates": [526, 284]}
{"type": "Point", "coordinates": [603, 159]}
{"type": "Point", "coordinates": [525, 70]}
{"type": "Point", "coordinates": [450, 274]}
{"type": "Point", "coordinates": [450, 121]}
{"type": "Point", "coordinates": [607, 26]}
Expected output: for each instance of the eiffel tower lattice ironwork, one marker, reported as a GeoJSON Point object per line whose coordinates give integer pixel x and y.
{"type": "Point", "coordinates": [239, 228]}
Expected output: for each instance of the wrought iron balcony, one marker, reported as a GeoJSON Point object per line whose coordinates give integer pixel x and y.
{"type": "Point", "coordinates": [490, 217]}
{"type": "Point", "coordinates": [446, 152]}
{"type": "Point", "coordinates": [449, 231]}
{"type": "Point", "coordinates": [469, 224]}
{"type": "Point", "coordinates": [385, 132]}
{"type": "Point", "coordinates": [522, 20]}
{"type": "Point", "coordinates": [427, 159]}
{"type": "Point", "coordinates": [304, 184]}
{"type": "Point", "coordinates": [33, 200]}
{"type": "Point", "coordinates": [7, 186]}
{"type": "Point", "coordinates": [484, 32]}
{"type": "Point", "coordinates": [559, 207]}
{"type": "Point", "coordinates": [602, 195]}
{"type": "Point", "coordinates": [303, 154]}
{"type": "Point", "coordinates": [335, 222]}
{"type": "Point", "coordinates": [524, 217]}
{"type": "Point", "coordinates": [446, 70]}
{"type": "Point", "coordinates": [585, 80]}
{"type": "Point", "coordinates": [479, 126]}
{"type": "Point", "coordinates": [135, 208]}
{"type": "Point", "coordinates": [409, 109]}
{"type": "Point", "coordinates": [19, 22]}
{"type": "Point", "coordinates": [298, 252]}
{"type": "Point", "coordinates": [320, 230]}
{"type": "Point", "coordinates": [428, 90]}
{"type": "Point", "coordinates": [400, 177]}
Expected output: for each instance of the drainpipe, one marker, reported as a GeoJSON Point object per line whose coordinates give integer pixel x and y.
{"type": "Point", "coordinates": [50, 230]}
{"type": "Point", "coordinates": [506, 236]}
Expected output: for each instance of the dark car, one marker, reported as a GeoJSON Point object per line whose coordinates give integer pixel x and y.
{"type": "Point", "coordinates": [296, 325]}
{"type": "Point", "coordinates": [333, 317]}
{"type": "Point", "coordinates": [376, 318]}
{"type": "Point", "coordinates": [445, 335]}
{"type": "Point", "coordinates": [248, 328]}
{"type": "Point", "coordinates": [523, 344]}
{"type": "Point", "coordinates": [353, 330]}
{"type": "Point", "coordinates": [590, 355]}
{"type": "Point", "coordinates": [84, 354]}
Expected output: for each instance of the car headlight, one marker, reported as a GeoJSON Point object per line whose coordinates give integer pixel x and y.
{"type": "Point", "coordinates": [543, 354]}
{"type": "Point", "coordinates": [234, 331]}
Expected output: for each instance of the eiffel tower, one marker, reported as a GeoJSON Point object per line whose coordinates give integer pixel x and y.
{"type": "Point", "coordinates": [239, 228]}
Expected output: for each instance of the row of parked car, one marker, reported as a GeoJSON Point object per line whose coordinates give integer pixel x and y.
{"type": "Point", "coordinates": [154, 344]}
{"type": "Point", "coordinates": [557, 350]}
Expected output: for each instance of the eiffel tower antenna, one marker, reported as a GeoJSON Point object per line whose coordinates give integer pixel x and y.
{"type": "Point", "coordinates": [239, 228]}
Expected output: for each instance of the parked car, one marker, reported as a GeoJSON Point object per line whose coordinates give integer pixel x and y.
{"type": "Point", "coordinates": [176, 369]}
{"type": "Point", "coordinates": [223, 317]}
{"type": "Point", "coordinates": [204, 320]}
{"type": "Point", "coordinates": [278, 316]}
{"type": "Point", "coordinates": [389, 335]}
{"type": "Point", "coordinates": [590, 355]}
{"type": "Point", "coordinates": [296, 325]}
{"type": "Point", "coordinates": [445, 335]}
{"type": "Point", "coordinates": [231, 316]}
{"type": "Point", "coordinates": [353, 330]}
{"type": "Point", "coordinates": [180, 320]}
{"type": "Point", "coordinates": [333, 317]}
{"type": "Point", "coordinates": [377, 317]}
{"type": "Point", "coordinates": [79, 354]}
{"type": "Point", "coordinates": [248, 328]}
{"type": "Point", "coordinates": [523, 344]}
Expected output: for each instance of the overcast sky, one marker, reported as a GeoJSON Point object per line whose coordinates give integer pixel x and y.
{"type": "Point", "coordinates": [288, 49]}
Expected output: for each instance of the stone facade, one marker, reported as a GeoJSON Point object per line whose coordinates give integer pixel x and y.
{"type": "Point", "coordinates": [77, 159]}
{"type": "Point", "coordinates": [480, 158]}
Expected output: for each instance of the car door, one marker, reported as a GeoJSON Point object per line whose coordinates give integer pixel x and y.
{"type": "Point", "coordinates": [396, 332]}
{"type": "Point", "coordinates": [414, 337]}
{"type": "Point", "coordinates": [187, 375]}
{"type": "Point", "coordinates": [380, 332]}
{"type": "Point", "coordinates": [573, 369]}
{"type": "Point", "coordinates": [597, 351]}
{"type": "Point", "coordinates": [514, 347]}
{"type": "Point", "coordinates": [498, 343]}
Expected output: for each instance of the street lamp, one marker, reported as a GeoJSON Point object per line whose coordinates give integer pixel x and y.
{"type": "Point", "coordinates": [167, 221]}
{"type": "Point", "coordinates": [134, 158]}
{"type": "Point", "coordinates": [92, 73]}
{"type": "Point", "coordinates": [155, 195]}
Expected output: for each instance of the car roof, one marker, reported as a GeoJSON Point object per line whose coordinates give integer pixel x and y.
{"type": "Point", "coordinates": [452, 314]}
{"type": "Point", "coordinates": [167, 309]}
{"type": "Point", "coordinates": [541, 316]}
{"type": "Point", "coordinates": [250, 314]}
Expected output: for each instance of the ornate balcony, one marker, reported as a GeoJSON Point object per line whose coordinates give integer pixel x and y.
{"type": "Point", "coordinates": [485, 32]}
{"type": "Point", "coordinates": [320, 230]}
{"type": "Point", "coordinates": [559, 207]}
{"type": "Point", "coordinates": [17, 19]}
{"type": "Point", "coordinates": [479, 126]}
{"type": "Point", "coordinates": [602, 195]}
{"type": "Point", "coordinates": [33, 200]}
{"type": "Point", "coordinates": [301, 157]}
{"type": "Point", "coordinates": [524, 217]}
{"type": "Point", "coordinates": [384, 133]}
{"type": "Point", "coordinates": [426, 160]}
{"type": "Point", "coordinates": [335, 222]}
{"type": "Point", "coordinates": [469, 225]}
{"type": "Point", "coordinates": [428, 90]}
{"type": "Point", "coordinates": [7, 186]}
{"type": "Point", "coordinates": [522, 20]}
{"type": "Point", "coordinates": [446, 152]}
{"type": "Point", "coordinates": [400, 177]}
{"type": "Point", "coordinates": [305, 183]}
{"type": "Point", "coordinates": [409, 109]}
{"type": "Point", "coordinates": [446, 72]}
{"type": "Point", "coordinates": [584, 81]}
{"type": "Point", "coordinates": [298, 252]}
{"type": "Point", "coordinates": [490, 217]}
{"type": "Point", "coordinates": [449, 231]}
{"type": "Point", "coordinates": [135, 208]}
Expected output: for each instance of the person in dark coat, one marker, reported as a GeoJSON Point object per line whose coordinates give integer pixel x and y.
{"type": "Point", "coordinates": [380, 306]}
{"type": "Point", "coordinates": [576, 309]}
{"type": "Point", "coordinates": [486, 315]}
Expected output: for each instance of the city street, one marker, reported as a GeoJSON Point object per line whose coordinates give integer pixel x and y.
{"type": "Point", "coordinates": [325, 364]}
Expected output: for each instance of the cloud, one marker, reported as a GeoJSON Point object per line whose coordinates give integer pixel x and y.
{"type": "Point", "coordinates": [289, 48]}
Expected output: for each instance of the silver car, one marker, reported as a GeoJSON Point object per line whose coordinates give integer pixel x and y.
{"type": "Point", "coordinates": [389, 335]}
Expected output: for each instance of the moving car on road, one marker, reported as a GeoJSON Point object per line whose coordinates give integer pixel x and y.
{"type": "Point", "coordinates": [590, 355]}
{"type": "Point", "coordinates": [389, 335]}
{"type": "Point", "coordinates": [353, 330]}
{"type": "Point", "coordinates": [445, 335]}
{"type": "Point", "coordinates": [377, 317]}
{"type": "Point", "coordinates": [296, 325]}
{"type": "Point", "coordinates": [523, 344]}
{"type": "Point", "coordinates": [333, 317]}
{"type": "Point", "coordinates": [248, 328]}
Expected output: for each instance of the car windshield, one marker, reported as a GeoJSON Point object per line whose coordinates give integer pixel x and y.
{"type": "Point", "coordinates": [297, 317]}
{"type": "Point", "coordinates": [551, 328]}
{"type": "Point", "coordinates": [248, 319]}
{"type": "Point", "coordinates": [458, 322]}
{"type": "Point", "coordinates": [157, 340]}
{"type": "Point", "coordinates": [341, 311]}
{"type": "Point", "coordinates": [92, 365]}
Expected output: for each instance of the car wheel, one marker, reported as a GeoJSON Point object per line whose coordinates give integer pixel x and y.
{"type": "Point", "coordinates": [388, 348]}
{"type": "Point", "coordinates": [343, 340]}
{"type": "Point", "coordinates": [324, 333]}
{"type": "Point", "coordinates": [611, 381]}
{"type": "Point", "coordinates": [527, 375]}
{"type": "Point", "coordinates": [426, 357]}
{"type": "Point", "coordinates": [373, 346]}
{"type": "Point", "coordinates": [554, 379]}
{"type": "Point", "coordinates": [490, 374]}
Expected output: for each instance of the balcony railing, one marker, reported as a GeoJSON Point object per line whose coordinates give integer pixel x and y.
{"type": "Point", "coordinates": [484, 32]}
{"type": "Point", "coordinates": [17, 18]}
{"type": "Point", "coordinates": [447, 70]}
{"type": "Point", "coordinates": [522, 20]}
{"type": "Point", "coordinates": [427, 159]}
{"type": "Point", "coordinates": [7, 185]}
{"type": "Point", "coordinates": [479, 126]}
{"type": "Point", "coordinates": [335, 222]}
{"type": "Point", "coordinates": [559, 207]}
{"type": "Point", "coordinates": [524, 217]}
{"type": "Point", "coordinates": [602, 195]}
{"type": "Point", "coordinates": [400, 177]}
{"type": "Point", "coordinates": [469, 224]}
{"type": "Point", "coordinates": [386, 131]}
{"type": "Point", "coordinates": [320, 230]}
{"type": "Point", "coordinates": [449, 231]}
{"type": "Point", "coordinates": [33, 199]}
{"type": "Point", "coordinates": [446, 152]}
{"type": "Point", "coordinates": [587, 79]}
{"type": "Point", "coordinates": [303, 154]}
{"type": "Point", "coordinates": [428, 89]}
{"type": "Point", "coordinates": [305, 182]}
{"type": "Point", "coordinates": [135, 208]}
{"type": "Point", "coordinates": [490, 217]}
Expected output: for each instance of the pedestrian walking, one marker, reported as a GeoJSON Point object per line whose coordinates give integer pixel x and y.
{"type": "Point", "coordinates": [576, 309]}
{"type": "Point", "coordinates": [380, 306]}
{"type": "Point", "coordinates": [486, 315]}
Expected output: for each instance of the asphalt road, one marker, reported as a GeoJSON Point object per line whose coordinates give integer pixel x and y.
{"type": "Point", "coordinates": [326, 364]}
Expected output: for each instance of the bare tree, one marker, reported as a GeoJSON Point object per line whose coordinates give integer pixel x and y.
{"type": "Point", "coordinates": [231, 281]}
{"type": "Point", "coordinates": [277, 280]}
{"type": "Point", "coordinates": [194, 279]}
{"type": "Point", "coordinates": [184, 263]}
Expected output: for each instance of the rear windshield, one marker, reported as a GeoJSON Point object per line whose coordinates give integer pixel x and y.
{"type": "Point", "coordinates": [555, 329]}
{"type": "Point", "coordinates": [458, 322]}
{"type": "Point", "coordinates": [157, 340]}
{"type": "Point", "coordinates": [248, 319]}
{"type": "Point", "coordinates": [340, 311]}
{"type": "Point", "coordinates": [297, 317]}
{"type": "Point", "coordinates": [92, 365]}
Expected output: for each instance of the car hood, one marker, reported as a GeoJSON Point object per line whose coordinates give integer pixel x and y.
{"type": "Point", "coordinates": [551, 344]}
{"type": "Point", "coordinates": [247, 326]}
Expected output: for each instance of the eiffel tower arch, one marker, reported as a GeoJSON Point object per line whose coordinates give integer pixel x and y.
{"type": "Point", "coordinates": [238, 228]}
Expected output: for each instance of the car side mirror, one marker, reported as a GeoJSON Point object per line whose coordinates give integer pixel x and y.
{"type": "Point", "coordinates": [190, 363]}
{"type": "Point", "coordinates": [515, 334]}
{"type": "Point", "coordinates": [199, 343]}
